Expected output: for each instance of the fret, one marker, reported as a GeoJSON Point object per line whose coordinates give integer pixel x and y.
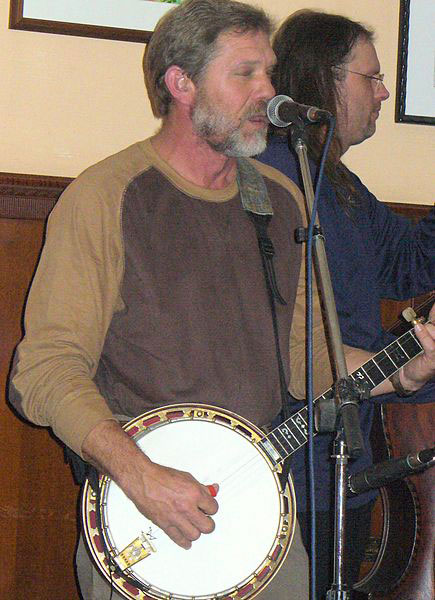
{"type": "Point", "coordinates": [367, 374]}
{"type": "Point", "coordinates": [296, 432]}
{"type": "Point", "coordinates": [411, 345]}
{"type": "Point", "coordinates": [301, 421]}
{"type": "Point", "coordinates": [397, 354]}
{"type": "Point", "coordinates": [280, 434]}
{"type": "Point", "coordinates": [293, 433]}
{"type": "Point", "coordinates": [276, 444]}
{"type": "Point", "coordinates": [385, 364]}
{"type": "Point", "coordinates": [405, 355]}
{"type": "Point", "coordinates": [287, 431]}
{"type": "Point", "coordinates": [374, 373]}
{"type": "Point", "coordinates": [287, 437]}
{"type": "Point", "coordinates": [328, 395]}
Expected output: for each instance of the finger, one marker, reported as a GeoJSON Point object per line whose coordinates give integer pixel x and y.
{"type": "Point", "coordinates": [207, 503]}
{"type": "Point", "coordinates": [192, 523]}
{"type": "Point", "coordinates": [213, 489]}
{"type": "Point", "coordinates": [203, 522]}
{"type": "Point", "coordinates": [178, 537]}
{"type": "Point", "coordinates": [425, 337]}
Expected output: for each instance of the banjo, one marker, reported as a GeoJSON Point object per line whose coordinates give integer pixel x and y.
{"type": "Point", "coordinates": [256, 518]}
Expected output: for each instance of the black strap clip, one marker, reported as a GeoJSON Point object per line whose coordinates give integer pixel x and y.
{"type": "Point", "coordinates": [266, 247]}
{"type": "Point", "coordinates": [301, 233]}
{"type": "Point", "coordinates": [267, 252]}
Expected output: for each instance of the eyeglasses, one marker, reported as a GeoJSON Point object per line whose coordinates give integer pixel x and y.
{"type": "Point", "coordinates": [377, 79]}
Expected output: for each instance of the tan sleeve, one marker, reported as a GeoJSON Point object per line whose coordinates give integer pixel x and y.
{"type": "Point", "coordinates": [71, 302]}
{"type": "Point", "coordinates": [322, 373]}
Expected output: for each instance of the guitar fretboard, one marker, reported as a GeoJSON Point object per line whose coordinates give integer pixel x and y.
{"type": "Point", "coordinates": [293, 433]}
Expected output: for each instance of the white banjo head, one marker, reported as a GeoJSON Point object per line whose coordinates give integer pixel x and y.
{"type": "Point", "coordinates": [254, 523]}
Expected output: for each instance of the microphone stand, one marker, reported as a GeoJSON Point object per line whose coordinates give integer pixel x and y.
{"type": "Point", "coordinates": [343, 415]}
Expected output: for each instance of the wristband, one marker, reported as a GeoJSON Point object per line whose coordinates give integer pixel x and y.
{"type": "Point", "coordinates": [398, 387]}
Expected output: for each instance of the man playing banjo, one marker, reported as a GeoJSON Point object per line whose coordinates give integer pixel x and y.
{"type": "Point", "coordinates": [151, 291]}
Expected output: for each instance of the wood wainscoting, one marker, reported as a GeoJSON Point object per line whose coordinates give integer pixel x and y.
{"type": "Point", "coordinates": [38, 497]}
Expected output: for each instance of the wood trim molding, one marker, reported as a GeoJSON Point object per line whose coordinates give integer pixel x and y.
{"type": "Point", "coordinates": [29, 196]}
{"type": "Point", "coordinates": [33, 196]}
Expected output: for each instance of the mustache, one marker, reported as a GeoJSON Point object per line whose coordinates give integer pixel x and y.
{"type": "Point", "coordinates": [258, 110]}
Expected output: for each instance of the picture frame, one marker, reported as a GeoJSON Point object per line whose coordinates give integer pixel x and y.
{"type": "Point", "coordinates": [126, 20]}
{"type": "Point", "coordinates": [415, 92]}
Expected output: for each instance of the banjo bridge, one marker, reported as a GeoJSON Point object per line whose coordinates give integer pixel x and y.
{"type": "Point", "coordinates": [137, 550]}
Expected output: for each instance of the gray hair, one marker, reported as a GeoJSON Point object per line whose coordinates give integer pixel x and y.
{"type": "Point", "coordinates": [187, 36]}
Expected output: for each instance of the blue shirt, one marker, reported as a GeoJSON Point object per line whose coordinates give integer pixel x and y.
{"type": "Point", "coordinates": [372, 254]}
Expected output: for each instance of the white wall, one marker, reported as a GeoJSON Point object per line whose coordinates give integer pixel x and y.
{"type": "Point", "coordinates": [66, 102]}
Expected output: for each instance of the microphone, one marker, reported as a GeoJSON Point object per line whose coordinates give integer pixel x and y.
{"type": "Point", "coordinates": [283, 111]}
{"type": "Point", "coordinates": [390, 470]}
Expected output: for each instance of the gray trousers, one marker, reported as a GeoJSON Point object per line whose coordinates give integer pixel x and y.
{"type": "Point", "coordinates": [290, 583]}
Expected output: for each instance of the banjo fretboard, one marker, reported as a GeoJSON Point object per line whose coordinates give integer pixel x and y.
{"type": "Point", "coordinates": [293, 433]}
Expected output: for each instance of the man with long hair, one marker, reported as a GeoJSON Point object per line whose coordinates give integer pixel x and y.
{"type": "Point", "coordinates": [330, 61]}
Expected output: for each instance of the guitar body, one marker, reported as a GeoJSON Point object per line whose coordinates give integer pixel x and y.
{"type": "Point", "coordinates": [254, 524]}
{"type": "Point", "coordinates": [394, 524]}
{"type": "Point", "coordinates": [399, 561]}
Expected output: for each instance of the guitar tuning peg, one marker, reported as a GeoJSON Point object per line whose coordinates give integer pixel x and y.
{"type": "Point", "coordinates": [410, 315]}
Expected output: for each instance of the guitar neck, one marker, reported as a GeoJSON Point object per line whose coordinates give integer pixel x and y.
{"type": "Point", "coordinates": [292, 434]}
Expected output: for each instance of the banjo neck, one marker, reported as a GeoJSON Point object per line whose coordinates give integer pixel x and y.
{"type": "Point", "coordinates": [292, 434]}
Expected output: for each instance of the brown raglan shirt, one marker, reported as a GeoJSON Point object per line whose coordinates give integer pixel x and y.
{"type": "Point", "coordinates": [150, 291]}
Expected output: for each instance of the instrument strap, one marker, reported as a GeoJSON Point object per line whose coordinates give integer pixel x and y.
{"type": "Point", "coordinates": [256, 203]}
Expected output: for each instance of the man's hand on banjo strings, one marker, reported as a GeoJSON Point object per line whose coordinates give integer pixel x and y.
{"type": "Point", "coordinates": [177, 503]}
{"type": "Point", "coordinates": [173, 500]}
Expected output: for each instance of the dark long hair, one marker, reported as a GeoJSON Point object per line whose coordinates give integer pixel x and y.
{"type": "Point", "coordinates": [309, 47]}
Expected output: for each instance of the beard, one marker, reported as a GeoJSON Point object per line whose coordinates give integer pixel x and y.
{"type": "Point", "coordinates": [224, 134]}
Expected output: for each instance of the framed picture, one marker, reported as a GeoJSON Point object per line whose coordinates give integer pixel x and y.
{"type": "Point", "coordinates": [127, 20]}
{"type": "Point", "coordinates": [415, 94]}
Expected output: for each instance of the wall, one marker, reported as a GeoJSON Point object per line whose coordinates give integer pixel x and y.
{"type": "Point", "coordinates": [66, 102]}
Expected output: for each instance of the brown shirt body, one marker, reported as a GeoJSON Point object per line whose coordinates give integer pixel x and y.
{"type": "Point", "coordinates": [150, 291]}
